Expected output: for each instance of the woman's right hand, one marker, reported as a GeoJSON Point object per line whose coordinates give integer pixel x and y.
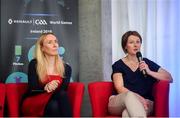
{"type": "Point", "coordinates": [51, 86]}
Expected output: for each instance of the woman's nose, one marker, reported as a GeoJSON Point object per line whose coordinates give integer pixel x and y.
{"type": "Point", "coordinates": [55, 44]}
{"type": "Point", "coordinates": [136, 44]}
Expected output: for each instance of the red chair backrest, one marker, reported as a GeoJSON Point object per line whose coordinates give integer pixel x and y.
{"type": "Point", "coordinates": [100, 92]}
{"type": "Point", "coordinates": [14, 93]}
{"type": "Point", "coordinates": [2, 98]}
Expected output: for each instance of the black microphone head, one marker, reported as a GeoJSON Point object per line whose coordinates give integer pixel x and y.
{"type": "Point", "coordinates": [138, 54]}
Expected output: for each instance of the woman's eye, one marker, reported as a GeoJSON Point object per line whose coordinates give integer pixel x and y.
{"type": "Point", "coordinates": [49, 42]}
{"type": "Point", "coordinates": [138, 42]}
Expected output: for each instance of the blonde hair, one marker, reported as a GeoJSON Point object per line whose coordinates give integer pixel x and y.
{"type": "Point", "coordinates": [42, 61]}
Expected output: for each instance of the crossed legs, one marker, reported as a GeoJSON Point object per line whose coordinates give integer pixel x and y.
{"type": "Point", "coordinates": [128, 105]}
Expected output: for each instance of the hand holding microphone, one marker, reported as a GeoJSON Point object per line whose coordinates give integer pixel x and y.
{"type": "Point", "coordinates": [140, 59]}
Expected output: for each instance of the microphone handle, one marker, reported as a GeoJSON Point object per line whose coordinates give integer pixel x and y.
{"type": "Point", "coordinates": [144, 73]}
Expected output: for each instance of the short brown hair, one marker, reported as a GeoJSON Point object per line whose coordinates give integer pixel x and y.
{"type": "Point", "coordinates": [125, 37]}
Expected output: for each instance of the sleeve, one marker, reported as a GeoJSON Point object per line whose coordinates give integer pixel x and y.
{"type": "Point", "coordinates": [152, 65]}
{"type": "Point", "coordinates": [67, 77]}
{"type": "Point", "coordinates": [116, 68]}
{"type": "Point", "coordinates": [33, 80]}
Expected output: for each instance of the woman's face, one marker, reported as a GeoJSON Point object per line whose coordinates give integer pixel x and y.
{"type": "Point", "coordinates": [133, 45]}
{"type": "Point", "coordinates": [50, 45]}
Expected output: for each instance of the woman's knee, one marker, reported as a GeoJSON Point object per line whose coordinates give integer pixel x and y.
{"type": "Point", "coordinates": [130, 94]}
{"type": "Point", "coordinates": [130, 97]}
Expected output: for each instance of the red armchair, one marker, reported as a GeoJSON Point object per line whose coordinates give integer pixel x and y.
{"type": "Point", "coordinates": [99, 93]}
{"type": "Point", "coordinates": [2, 99]}
{"type": "Point", "coordinates": [15, 91]}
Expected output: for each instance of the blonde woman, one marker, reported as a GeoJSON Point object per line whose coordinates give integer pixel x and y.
{"type": "Point", "coordinates": [48, 79]}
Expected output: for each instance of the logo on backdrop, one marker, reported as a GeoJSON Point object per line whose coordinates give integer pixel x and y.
{"type": "Point", "coordinates": [31, 53]}
{"type": "Point", "coordinates": [39, 22]}
{"type": "Point", "coordinates": [18, 53]}
{"type": "Point", "coordinates": [10, 21]}
{"type": "Point", "coordinates": [61, 51]}
{"type": "Point", "coordinates": [17, 77]}
{"type": "Point", "coordinates": [30, 21]}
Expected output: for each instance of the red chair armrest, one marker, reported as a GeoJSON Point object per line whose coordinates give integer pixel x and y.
{"type": "Point", "coordinates": [161, 99]}
{"type": "Point", "coordinates": [14, 93]}
{"type": "Point", "coordinates": [75, 93]}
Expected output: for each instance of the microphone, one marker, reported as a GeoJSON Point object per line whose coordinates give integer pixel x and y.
{"type": "Point", "coordinates": [139, 56]}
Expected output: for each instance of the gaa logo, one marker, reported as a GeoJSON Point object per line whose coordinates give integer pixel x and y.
{"type": "Point", "coordinates": [40, 22]}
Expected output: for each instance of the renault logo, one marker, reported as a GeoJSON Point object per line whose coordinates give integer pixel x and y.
{"type": "Point", "coordinates": [10, 21]}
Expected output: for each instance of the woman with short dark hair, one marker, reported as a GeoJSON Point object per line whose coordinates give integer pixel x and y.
{"type": "Point", "coordinates": [133, 97]}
